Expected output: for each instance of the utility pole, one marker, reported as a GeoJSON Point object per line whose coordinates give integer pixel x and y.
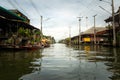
{"type": "Point", "coordinates": [70, 35]}
{"type": "Point", "coordinates": [41, 22]}
{"type": "Point", "coordinates": [86, 22]}
{"type": "Point", "coordinates": [119, 15]}
{"type": "Point", "coordinates": [41, 26]}
{"type": "Point", "coordinates": [113, 24]}
{"type": "Point", "coordinates": [94, 29]}
{"type": "Point", "coordinates": [79, 40]}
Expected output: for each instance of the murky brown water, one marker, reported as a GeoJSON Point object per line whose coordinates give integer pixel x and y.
{"type": "Point", "coordinates": [61, 62]}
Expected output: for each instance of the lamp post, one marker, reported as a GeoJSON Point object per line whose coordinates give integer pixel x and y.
{"type": "Point", "coordinates": [113, 22]}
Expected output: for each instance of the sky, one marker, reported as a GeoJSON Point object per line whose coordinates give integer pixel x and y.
{"type": "Point", "coordinates": [60, 17]}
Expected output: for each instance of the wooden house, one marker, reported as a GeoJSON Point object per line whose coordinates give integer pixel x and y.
{"type": "Point", "coordinates": [16, 30]}
{"type": "Point", "coordinates": [88, 36]}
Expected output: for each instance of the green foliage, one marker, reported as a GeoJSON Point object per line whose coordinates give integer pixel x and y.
{"type": "Point", "coordinates": [75, 41]}
{"type": "Point", "coordinates": [109, 27]}
{"type": "Point", "coordinates": [61, 41]}
{"type": "Point", "coordinates": [38, 32]}
{"type": "Point", "coordinates": [21, 31]}
{"type": "Point", "coordinates": [24, 32]}
{"type": "Point", "coordinates": [67, 40]}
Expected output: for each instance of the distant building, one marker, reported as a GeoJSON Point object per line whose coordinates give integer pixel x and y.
{"type": "Point", "coordinates": [88, 35]}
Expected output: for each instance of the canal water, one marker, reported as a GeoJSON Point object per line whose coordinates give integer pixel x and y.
{"type": "Point", "coordinates": [61, 62]}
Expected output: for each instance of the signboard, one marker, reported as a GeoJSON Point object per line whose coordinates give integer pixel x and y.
{"type": "Point", "coordinates": [86, 39]}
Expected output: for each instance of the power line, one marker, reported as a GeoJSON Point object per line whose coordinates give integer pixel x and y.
{"type": "Point", "coordinates": [14, 6]}
{"type": "Point", "coordinates": [9, 1]}
{"type": "Point", "coordinates": [34, 7]}
{"type": "Point", "coordinates": [90, 7]}
{"type": "Point", "coordinates": [105, 9]}
{"type": "Point", "coordinates": [21, 8]}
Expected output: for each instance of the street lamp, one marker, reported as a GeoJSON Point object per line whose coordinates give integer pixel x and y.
{"type": "Point", "coordinates": [113, 23]}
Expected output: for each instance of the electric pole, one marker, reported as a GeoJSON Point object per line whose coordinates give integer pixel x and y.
{"type": "Point", "coordinates": [86, 22]}
{"type": "Point", "coordinates": [41, 23]}
{"type": "Point", "coordinates": [79, 38]}
{"type": "Point", "coordinates": [70, 35]}
{"type": "Point", "coordinates": [41, 26]}
{"type": "Point", "coordinates": [113, 24]}
{"type": "Point", "coordinates": [94, 29]}
{"type": "Point", "coordinates": [119, 15]}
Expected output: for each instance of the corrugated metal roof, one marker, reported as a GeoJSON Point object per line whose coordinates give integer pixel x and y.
{"type": "Point", "coordinates": [91, 30]}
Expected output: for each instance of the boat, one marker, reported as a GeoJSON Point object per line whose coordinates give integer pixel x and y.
{"type": "Point", "coordinates": [16, 47]}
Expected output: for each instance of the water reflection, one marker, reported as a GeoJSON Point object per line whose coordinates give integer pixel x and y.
{"type": "Point", "coordinates": [114, 64]}
{"type": "Point", "coordinates": [91, 65]}
{"type": "Point", "coordinates": [97, 54]}
{"type": "Point", "coordinates": [93, 53]}
{"type": "Point", "coordinates": [14, 64]}
{"type": "Point", "coordinates": [62, 62]}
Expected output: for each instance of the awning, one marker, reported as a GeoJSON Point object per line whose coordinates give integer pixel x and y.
{"type": "Point", "coordinates": [4, 21]}
{"type": "Point", "coordinates": [10, 15]}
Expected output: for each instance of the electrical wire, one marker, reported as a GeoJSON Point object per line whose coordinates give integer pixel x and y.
{"type": "Point", "coordinates": [16, 5]}
{"type": "Point", "coordinates": [37, 11]}
{"type": "Point", "coordinates": [22, 8]}
{"type": "Point", "coordinates": [9, 1]}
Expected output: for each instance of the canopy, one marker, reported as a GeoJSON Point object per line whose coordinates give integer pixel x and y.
{"type": "Point", "coordinates": [10, 15]}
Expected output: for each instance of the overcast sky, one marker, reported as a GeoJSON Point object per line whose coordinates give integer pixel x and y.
{"type": "Point", "coordinates": [59, 15]}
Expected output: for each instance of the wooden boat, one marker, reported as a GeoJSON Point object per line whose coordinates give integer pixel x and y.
{"type": "Point", "coordinates": [32, 47]}
{"type": "Point", "coordinates": [16, 47]}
